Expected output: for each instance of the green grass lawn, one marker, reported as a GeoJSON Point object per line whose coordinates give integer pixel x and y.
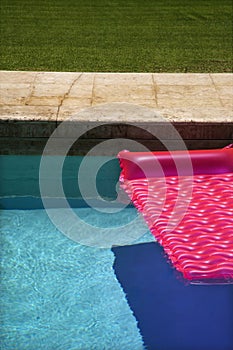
{"type": "Point", "coordinates": [117, 35]}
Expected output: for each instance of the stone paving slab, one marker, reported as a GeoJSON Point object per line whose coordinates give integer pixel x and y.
{"type": "Point", "coordinates": [32, 104]}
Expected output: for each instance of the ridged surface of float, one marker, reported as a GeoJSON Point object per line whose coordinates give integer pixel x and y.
{"type": "Point", "coordinates": [192, 218]}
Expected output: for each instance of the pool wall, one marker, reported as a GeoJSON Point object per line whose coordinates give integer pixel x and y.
{"type": "Point", "coordinates": [29, 137]}
{"type": "Point", "coordinates": [20, 179]}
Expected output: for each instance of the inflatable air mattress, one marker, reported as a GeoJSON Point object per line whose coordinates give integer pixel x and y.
{"type": "Point", "coordinates": [186, 198]}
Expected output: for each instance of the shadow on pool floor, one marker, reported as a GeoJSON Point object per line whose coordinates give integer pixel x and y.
{"type": "Point", "coordinates": [171, 314]}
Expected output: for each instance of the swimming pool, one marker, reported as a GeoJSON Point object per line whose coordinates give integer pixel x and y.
{"type": "Point", "coordinates": [56, 293]}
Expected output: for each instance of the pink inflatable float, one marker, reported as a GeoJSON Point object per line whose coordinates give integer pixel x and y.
{"type": "Point", "coordinates": [186, 198]}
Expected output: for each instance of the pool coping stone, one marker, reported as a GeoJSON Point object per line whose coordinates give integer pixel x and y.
{"type": "Point", "coordinates": [33, 104]}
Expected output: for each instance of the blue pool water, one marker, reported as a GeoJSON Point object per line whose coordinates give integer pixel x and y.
{"type": "Point", "coordinates": [171, 314]}
{"type": "Point", "coordinates": [57, 294]}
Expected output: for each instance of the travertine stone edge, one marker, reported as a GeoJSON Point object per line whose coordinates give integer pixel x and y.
{"type": "Point", "coordinates": [33, 104]}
